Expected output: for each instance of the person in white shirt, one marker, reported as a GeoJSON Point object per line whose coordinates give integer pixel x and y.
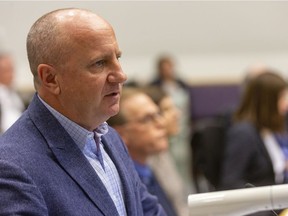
{"type": "Point", "coordinates": [11, 105]}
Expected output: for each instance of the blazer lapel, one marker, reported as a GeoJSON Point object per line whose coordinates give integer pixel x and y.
{"type": "Point", "coordinates": [70, 157]}
{"type": "Point", "coordinates": [117, 156]}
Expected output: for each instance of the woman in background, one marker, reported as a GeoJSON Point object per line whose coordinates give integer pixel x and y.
{"type": "Point", "coordinates": [253, 154]}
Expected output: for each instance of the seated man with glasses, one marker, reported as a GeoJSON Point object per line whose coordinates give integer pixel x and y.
{"type": "Point", "coordinates": [141, 126]}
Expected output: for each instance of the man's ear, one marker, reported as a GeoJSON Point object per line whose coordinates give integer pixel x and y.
{"type": "Point", "coordinates": [48, 75]}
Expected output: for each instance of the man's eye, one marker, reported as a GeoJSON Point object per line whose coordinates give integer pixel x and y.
{"type": "Point", "coordinates": [100, 63]}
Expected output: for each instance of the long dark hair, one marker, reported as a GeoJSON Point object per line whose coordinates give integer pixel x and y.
{"type": "Point", "coordinates": [259, 104]}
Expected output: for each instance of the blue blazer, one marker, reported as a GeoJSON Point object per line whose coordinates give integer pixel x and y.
{"type": "Point", "coordinates": [43, 172]}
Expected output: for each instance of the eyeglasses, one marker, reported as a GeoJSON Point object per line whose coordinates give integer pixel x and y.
{"type": "Point", "coordinates": [148, 119]}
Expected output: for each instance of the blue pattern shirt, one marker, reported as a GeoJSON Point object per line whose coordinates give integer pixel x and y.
{"type": "Point", "coordinates": [85, 141]}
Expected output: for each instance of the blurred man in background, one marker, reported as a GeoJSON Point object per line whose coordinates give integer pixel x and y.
{"type": "Point", "coordinates": [167, 78]}
{"type": "Point", "coordinates": [11, 105]}
{"type": "Point", "coordinates": [142, 128]}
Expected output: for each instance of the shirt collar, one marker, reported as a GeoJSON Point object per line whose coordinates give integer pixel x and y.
{"type": "Point", "coordinates": [102, 129]}
{"type": "Point", "coordinates": [78, 133]}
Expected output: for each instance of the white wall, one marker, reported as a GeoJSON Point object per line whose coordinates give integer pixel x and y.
{"type": "Point", "coordinates": [213, 41]}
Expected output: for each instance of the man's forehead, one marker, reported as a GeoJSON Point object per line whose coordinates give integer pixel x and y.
{"type": "Point", "coordinates": [137, 100]}
{"type": "Point", "coordinates": [80, 17]}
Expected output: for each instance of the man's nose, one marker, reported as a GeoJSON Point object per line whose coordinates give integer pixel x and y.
{"type": "Point", "coordinates": [117, 75]}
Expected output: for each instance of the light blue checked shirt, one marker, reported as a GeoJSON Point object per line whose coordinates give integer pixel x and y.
{"type": "Point", "coordinates": [85, 141]}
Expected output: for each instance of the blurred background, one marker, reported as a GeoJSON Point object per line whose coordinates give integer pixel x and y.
{"type": "Point", "coordinates": [212, 41]}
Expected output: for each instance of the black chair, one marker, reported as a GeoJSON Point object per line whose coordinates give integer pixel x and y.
{"type": "Point", "coordinates": [207, 146]}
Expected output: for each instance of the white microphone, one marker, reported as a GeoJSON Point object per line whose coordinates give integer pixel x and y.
{"type": "Point", "coordinates": [239, 201]}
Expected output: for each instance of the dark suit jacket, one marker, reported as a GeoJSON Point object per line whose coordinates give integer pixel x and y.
{"type": "Point", "coordinates": [246, 159]}
{"type": "Point", "coordinates": [43, 172]}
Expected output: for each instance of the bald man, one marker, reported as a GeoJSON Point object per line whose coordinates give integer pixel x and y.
{"type": "Point", "coordinates": [61, 157]}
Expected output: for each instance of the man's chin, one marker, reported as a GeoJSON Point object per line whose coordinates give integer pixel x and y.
{"type": "Point", "coordinates": [114, 111]}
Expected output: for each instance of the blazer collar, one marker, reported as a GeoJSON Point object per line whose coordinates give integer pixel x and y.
{"type": "Point", "coordinates": [69, 156]}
